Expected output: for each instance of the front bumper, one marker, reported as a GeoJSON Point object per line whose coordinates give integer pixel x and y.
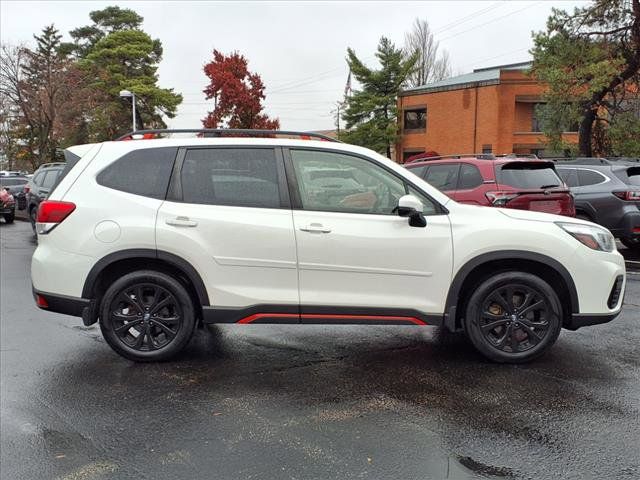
{"type": "Point", "coordinates": [579, 320]}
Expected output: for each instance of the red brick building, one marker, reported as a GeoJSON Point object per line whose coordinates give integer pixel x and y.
{"type": "Point", "coordinates": [491, 110]}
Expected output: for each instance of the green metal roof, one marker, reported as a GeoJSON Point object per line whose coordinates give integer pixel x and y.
{"type": "Point", "coordinates": [479, 77]}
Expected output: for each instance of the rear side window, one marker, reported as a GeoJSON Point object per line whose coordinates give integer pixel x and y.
{"type": "Point", "coordinates": [633, 175]}
{"type": "Point", "coordinates": [589, 177]}
{"type": "Point", "coordinates": [568, 176]}
{"type": "Point", "coordinates": [143, 172]}
{"type": "Point", "coordinates": [528, 175]}
{"type": "Point", "coordinates": [50, 178]}
{"type": "Point", "coordinates": [243, 177]}
{"type": "Point", "coordinates": [470, 177]}
{"type": "Point", "coordinates": [443, 177]}
{"type": "Point", "coordinates": [419, 171]}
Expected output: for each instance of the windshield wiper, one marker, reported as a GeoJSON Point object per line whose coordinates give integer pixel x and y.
{"type": "Point", "coordinates": [548, 186]}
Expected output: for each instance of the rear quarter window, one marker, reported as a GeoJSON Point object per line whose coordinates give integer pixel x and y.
{"type": "Point", "coordinates": [144, 172]}
{"type": "Point", "coordinates": [630, 176]}
{"type": "Point", "coordinates": [527, 175]}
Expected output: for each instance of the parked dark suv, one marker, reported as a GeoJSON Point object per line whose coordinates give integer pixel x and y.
{"type": "Point", "coordinates": [606, 192]}
{"type": "Point", "coordinates": [507, 182]}
{"type": "Point", "coordinates": [44, 178]}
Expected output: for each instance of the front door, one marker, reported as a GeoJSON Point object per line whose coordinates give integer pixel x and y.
{"type": "Point", "coordinates": [355, 254]}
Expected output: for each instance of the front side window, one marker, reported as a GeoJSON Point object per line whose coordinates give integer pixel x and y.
{"type": "Point", "coordinates": [143, 172]}
{"type": "Point", "coordinates": [336, 182]}
{"type": "Point", "coordinates": [242, 177]}
{"type": "Point", "coordinates": [443, 177]}
{"type": "Point", "coordinates": [415, 119]}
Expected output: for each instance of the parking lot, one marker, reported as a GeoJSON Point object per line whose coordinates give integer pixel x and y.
{"type": "Point", "coordinates": [310, 401]}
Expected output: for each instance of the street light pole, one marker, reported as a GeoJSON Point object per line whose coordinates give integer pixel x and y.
{"type": "Point", "coordinates": [128, 94]}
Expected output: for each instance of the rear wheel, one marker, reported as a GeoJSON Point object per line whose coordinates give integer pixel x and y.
{"type": "Point", "coordinates": [513, 317]}
{"type": "Point", "coordinates": [632, 243]}
{"type": "Point", "coordinates": [10, 217]}
{"type": "Point", "coordinates": [147, 316]}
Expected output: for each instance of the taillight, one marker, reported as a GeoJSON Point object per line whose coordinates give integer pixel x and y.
{"type": "Point", "coordinates": [51, 213]}
{"type": "Point", "coordinates": [500, 199]}
{"type": "Point", "coordinates": [628, 195]}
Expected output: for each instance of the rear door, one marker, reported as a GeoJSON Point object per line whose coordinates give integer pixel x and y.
{"type": "Point", "coordinates": [227, 213]}
{"type": "Point", "coordinates": [471, 187]}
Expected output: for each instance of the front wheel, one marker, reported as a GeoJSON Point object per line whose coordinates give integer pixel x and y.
{"type": "Point", "coordinates": [632, 243]}
{"type": "Point", "coordinates": [513, 317]}
{"type": "Point", "coordinates": [147, 316]}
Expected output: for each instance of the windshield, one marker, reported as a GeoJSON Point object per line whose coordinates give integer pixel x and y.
{"type": "Point", "coordinates": [528, 175]}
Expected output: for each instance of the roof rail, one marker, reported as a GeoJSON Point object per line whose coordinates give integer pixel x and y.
{"type": "Point", "coordinates": [583, 161]}
{"type": "Point", "coordinates": [222, 132]}
{"type": "Point", "coordinates": [518, 155]}
{"type": "Point", "coordinates": [480, 156]}
{"type": "Point", "coordinates": [52, 164]}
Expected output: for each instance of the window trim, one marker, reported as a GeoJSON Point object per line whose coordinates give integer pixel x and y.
{"type": "Point", "coordinates": [175, 191]}
{"type": "Point", "coordinates": [294, 189]}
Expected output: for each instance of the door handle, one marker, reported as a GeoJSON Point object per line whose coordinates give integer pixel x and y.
{"type": "Point", "coordinates": [315, 228]}
{"type": "Point", "coordinates": [181, 222]}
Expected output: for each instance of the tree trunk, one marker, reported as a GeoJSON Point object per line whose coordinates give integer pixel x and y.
{"type": "Point", "coordinates": [584, 133]}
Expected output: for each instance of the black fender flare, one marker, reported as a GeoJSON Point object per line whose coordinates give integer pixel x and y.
{"type": "Point", "coordinates": [173, 260]}
{"type": "Point", "coordinates": [454, 289]}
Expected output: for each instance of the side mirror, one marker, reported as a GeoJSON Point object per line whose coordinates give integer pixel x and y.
{"type": "Point", "coordinates": [410, 207]}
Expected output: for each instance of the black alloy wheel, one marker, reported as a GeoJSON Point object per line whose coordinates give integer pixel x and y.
{"type": "Point", "coordinates": [147, 316]}
{"type": "Point", "coordinates": [513, 317]}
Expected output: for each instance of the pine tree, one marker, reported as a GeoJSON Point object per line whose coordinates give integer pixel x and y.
{"type": "Point", "coordinates": [371, 112]}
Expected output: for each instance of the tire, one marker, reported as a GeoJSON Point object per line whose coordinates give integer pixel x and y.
{"type": "Point", "coordinates": [514, 338]}
{"type": "Point", "coordinates": [10, 217]}
{"type": "Point", "coordinates": [632, 243]}
{"type": "Point", "coordinates": [33, 215]}
{"type": "Point", "coordinates": [165, 307]}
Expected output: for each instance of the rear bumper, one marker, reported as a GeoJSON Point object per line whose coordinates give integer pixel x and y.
{"type": "Point", "coordinates": [61, 303]}
{"type": "Point", "coordinates": [625, 228]}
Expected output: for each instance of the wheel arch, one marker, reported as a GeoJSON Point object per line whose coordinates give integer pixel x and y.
{"type": "Point", "coordinates": [125, 261]}
{"type": "Point", "coordinates": [482, 266]}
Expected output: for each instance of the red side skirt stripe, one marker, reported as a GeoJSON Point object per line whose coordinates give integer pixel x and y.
{"type": "Point", "coordinates": [319, 316]}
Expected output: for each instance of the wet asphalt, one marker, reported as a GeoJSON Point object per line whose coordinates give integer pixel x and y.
{"type": "Point", "coordinates": [307, 402]}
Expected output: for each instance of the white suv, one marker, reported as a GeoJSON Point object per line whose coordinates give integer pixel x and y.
{"type": "Point", "coordinates": [151, 236]}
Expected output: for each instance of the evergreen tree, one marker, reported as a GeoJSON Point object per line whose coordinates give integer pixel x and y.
{"type": "Point", "coordinates": [371, 112]}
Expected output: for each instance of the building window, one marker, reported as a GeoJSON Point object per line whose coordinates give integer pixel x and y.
{"type": "Point", "coordinates": [537, 119]}
{"type": "Point", "coordinates": [415, 119]}
{"type": "Point", "coordinates": [487, 148]}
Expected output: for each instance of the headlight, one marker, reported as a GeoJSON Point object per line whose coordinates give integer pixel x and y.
{"type": "Point", "coordinates": [593, 237]}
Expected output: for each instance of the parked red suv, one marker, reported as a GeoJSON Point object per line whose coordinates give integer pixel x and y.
{"type": "Point", "coordinates": [508, 182]}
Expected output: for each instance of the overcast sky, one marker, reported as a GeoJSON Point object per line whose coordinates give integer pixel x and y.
{"type": "Point", "coordinates": [298, 48]}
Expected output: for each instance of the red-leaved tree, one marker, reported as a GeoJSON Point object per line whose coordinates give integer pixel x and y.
{"type": "Point", "coordinates": [237, 94]}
